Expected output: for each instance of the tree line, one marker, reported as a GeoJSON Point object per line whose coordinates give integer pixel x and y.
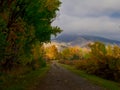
{"type": "Point", "coordinates": [98, 59]}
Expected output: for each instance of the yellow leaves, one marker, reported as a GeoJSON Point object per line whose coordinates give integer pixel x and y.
{"type": "Point", "coordinates": [72, 53]}
{"type": "Point", "coordinates": [104, 62]}
{"type": "Point", "coordinates": [52, 4]}
{"type": "Point", "coordinates": [116, 51]}
{"type": "Point", "coordinates": [51, 52]}
{"type": "Point", "coordinates": [49, 4]}
{"type": "Point", "coordinates": [109, 50]}
{"type": "Point", "coordinates": [113, 51]}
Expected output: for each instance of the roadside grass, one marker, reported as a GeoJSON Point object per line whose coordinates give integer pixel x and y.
{"type": "Point", "coordinates": [108, 85]}
{"type": "Point", "coordinates": [21, 82]}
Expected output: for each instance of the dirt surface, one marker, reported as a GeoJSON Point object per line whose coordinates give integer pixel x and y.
{"type": "Point", "coordinates": [59, 78]}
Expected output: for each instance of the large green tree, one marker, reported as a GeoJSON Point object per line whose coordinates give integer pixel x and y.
{"type": "Point", "coordinates": [22, 23]}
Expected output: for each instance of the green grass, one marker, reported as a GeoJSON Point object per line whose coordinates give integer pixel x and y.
{"type": "Point", "coordinates": [109, 85]}
{"type": "Point", "coordinates": [21, 82]}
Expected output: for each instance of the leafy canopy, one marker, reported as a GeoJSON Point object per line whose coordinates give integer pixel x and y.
{"type": "Point", "coordinates": [22, 24]}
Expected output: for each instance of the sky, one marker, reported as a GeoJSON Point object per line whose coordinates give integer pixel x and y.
{"type": "Point", "coordinates": [90, 17]}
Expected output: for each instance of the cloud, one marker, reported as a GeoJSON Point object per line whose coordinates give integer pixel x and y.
{"type": "Point", "coordinates": [90, 7]}
{"type": "Point", "coordinates": [97, 17]}
{"type": "Point", "coordinates": [76, 24]}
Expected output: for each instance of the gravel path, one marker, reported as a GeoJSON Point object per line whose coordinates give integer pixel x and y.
{"type": "Point", "coordinates": [59, 78]}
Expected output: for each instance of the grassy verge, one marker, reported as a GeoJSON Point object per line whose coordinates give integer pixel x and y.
{"type": "Point", "coordinates": [22, 81]}
{"type": "Point", "coordinates": [109, 85]}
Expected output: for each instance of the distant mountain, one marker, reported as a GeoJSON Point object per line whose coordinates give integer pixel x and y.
{"type": "Point", "coordinates": [83, 40]}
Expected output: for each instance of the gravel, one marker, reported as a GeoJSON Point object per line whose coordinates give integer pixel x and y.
{"type": "Point", "coordinates": [58, 78]}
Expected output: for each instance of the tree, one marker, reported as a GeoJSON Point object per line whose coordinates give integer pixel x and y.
{"type": "Point", "coordinates": [22, 23]}
{"type": "Point", "coordinates": [51, 52]}
{"type": "Point", "coordinates": [116, 51]}
{"type": "Point", "coordinates": [72, 53]}
{"type": "Point", "coordinates": [98, 49]}
{"type": "Point", "coordinates": [109, 50]}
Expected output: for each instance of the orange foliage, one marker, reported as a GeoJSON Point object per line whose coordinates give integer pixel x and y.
{"type": "Point", "coordinates": [51, 52]}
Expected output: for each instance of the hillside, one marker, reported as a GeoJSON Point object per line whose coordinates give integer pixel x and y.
{"type": "Point", "coordinates": [83, 40]}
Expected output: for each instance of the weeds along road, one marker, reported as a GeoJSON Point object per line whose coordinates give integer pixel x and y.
{"type": "Point", "coordinates": [59, 78]}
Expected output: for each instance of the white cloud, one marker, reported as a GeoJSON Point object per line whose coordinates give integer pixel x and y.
{"type": "Point", "coordinates": [90, 7]}
{"type": "Point", "coordinates": [70, 23]}
{"type": "Point", "coordinates": [90, 16]}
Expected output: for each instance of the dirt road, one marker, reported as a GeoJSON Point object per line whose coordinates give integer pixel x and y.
{"type": "Point", "coordinates": [59, 78]}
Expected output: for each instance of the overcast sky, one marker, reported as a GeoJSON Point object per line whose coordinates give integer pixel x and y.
{"type": "Point", "coordinates": [90, 17]}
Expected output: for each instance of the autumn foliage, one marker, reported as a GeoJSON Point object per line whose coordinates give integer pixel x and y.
{"type": "Point", "coordinates": [51, 53]}
{"type": "Point", "coordinates": [103, 61]}
{"type": "Point", "coordinates": [24, 26]}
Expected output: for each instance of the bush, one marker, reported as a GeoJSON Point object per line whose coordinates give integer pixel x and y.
{"type": "Point", "coordinates": [102, 61]}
